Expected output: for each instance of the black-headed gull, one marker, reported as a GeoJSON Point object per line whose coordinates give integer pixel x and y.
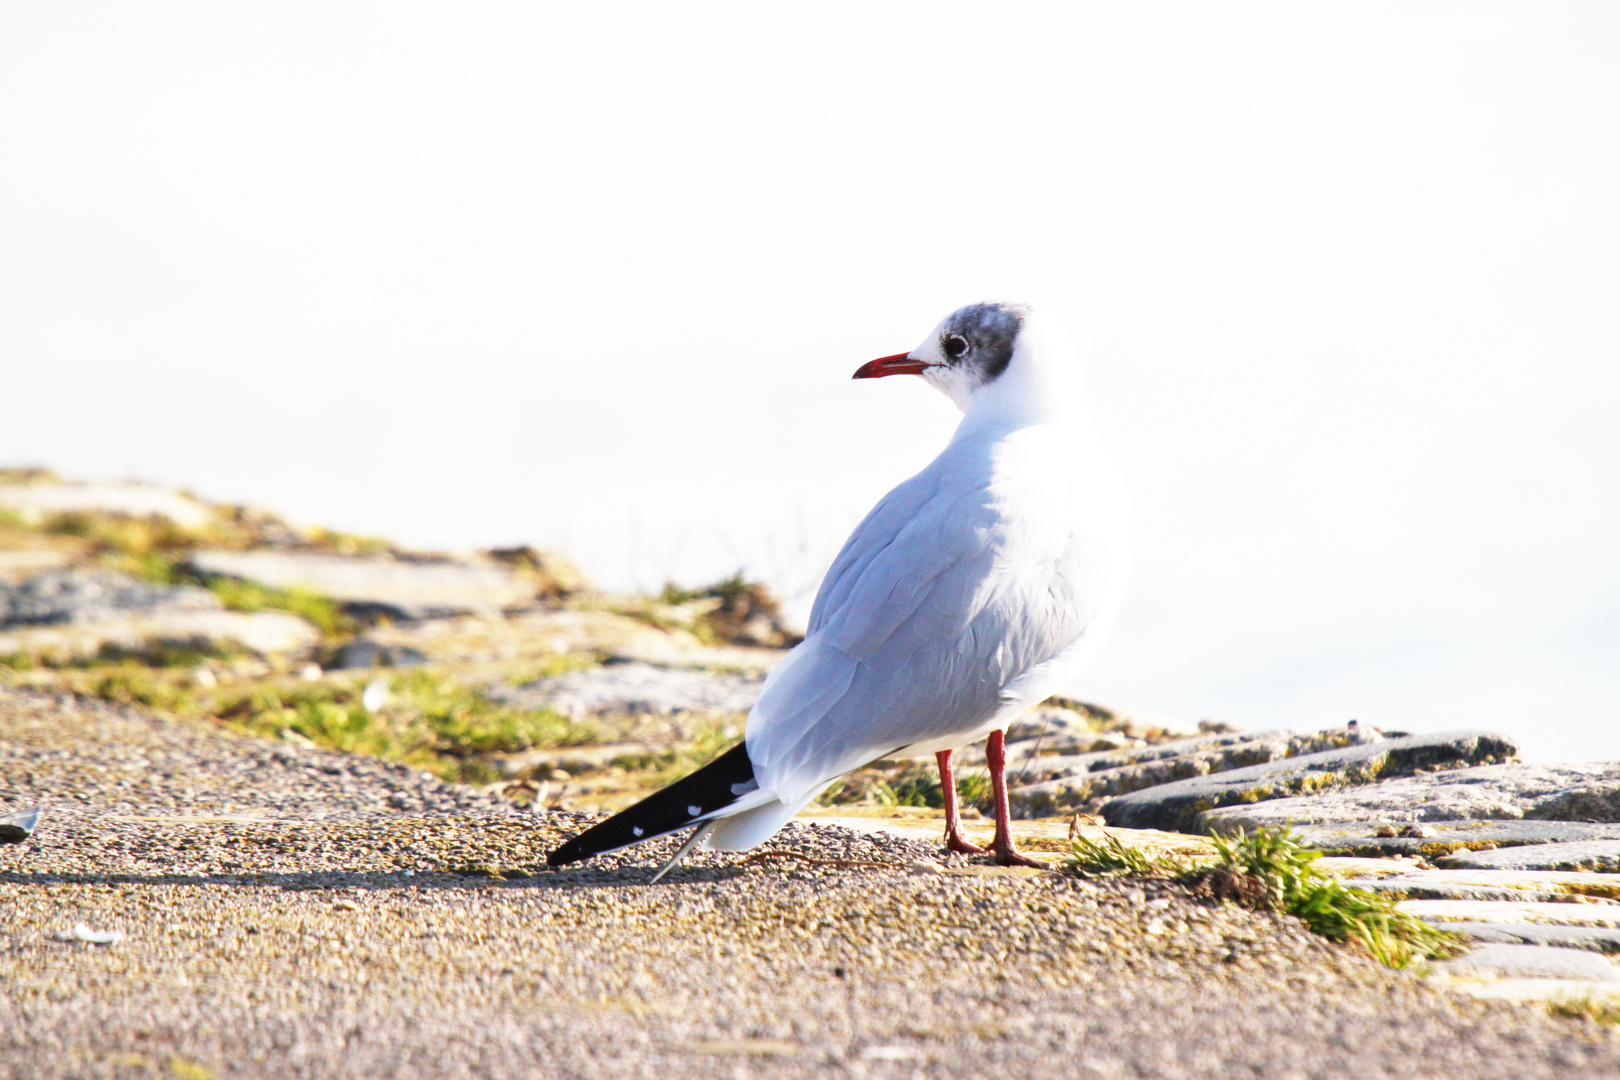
{"type": "Point", "coordinates": [971, 592]}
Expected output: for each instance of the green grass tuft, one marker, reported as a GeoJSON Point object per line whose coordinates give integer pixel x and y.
{"type": "Point", "coordinates": [1272, 869]}
{"type": "Point", "coordinates": [908, 783]}
{"type": "Point", "coordinates": [321, 611]}
{"type": "Point", "coordinates": [1606, 1013]}
{"type": "Point", "coordinates": [975, 790]}
{"type": "Point", "coordinates": [429, 721]}
{"type": "Point", "coordinates": [1112, 857]}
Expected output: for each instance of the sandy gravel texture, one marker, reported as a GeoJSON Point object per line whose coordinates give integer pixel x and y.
{"type": "Point", "coordinates": [292, 913]}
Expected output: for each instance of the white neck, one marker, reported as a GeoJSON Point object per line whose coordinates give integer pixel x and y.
{"type": "Point", "coordinates": [1041, 385]}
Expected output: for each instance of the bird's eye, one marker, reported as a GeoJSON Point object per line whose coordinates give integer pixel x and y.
{"type": "Point", "coordinates": [955, 346]}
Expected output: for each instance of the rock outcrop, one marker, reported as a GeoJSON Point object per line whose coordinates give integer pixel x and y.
{"type": "Point", "coordinates": [1179, 805]}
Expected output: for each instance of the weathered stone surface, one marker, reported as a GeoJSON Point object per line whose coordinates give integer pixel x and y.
{"type": "Point", "coordinates": [570, 759]}
{"type": "Point", "coordinates": [1598, 939]}
{"type": "Point", "coordinates": [264, 632]}
{"type": "Point", "coordinates": [1080, 782]}
{"type": "Point", "coordinates": [1481, 793]}
{"type": "Point", "coordinates": [1531, 962]}
{"type": "Point", "coordinates": [1060, 731]}
{"type": "Point", "coordinates": [21, 563]}
{"type": "Point", "coordinates": [678, 648]}
{"type": "Point", "coordinates": [1510, 885]}
{"type": "Point", "coordinates": [364, 653]}
{"type": "Point", "coordinates": [379, 585]}
{"type": "Point", "coordinates": [1179, 805]}
{"type": "Point", "coordinates": [41, 500]}
{"type": "Point", "coordinates": [1579, 992]}
{"type": "Point", "coordinates": [536, 635]}
{"type": "Point", "coordinates": [1446, 912]}
{"type": "Point", "coordinates": [73, 614]}
{"type": "Point", "coordinates": [1357, 838]}
{"type": "Point", "coordinates": [1598, 802]}
{"type": "Point", "coordinates": [82, 596]}
{"type": "Point", "coordinates": [1601, 856]}
{"type": "Point", "coordinates": [635, 689]}
{"type": "Point", "coordinates": [1067, 783]}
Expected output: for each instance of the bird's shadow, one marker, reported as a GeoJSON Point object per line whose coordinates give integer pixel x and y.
{"type": "Point", "coordinates": [560, 879]}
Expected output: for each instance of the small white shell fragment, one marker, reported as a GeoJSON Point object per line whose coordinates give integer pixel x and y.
{"type": "Point", "coordinates": [376, 694]}
{"type": "Point", "coordinates": [81, 932]}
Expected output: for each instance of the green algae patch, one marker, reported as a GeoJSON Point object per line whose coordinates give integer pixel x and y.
{"type": "Point", "coordinates": [1601, 890]}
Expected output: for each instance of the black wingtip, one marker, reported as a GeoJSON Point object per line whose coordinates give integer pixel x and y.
{"type": "Point", "coordinates": [715, 786]}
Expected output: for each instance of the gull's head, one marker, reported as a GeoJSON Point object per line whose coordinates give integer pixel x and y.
{"type": "Point", "coordinates": [1005, 350]}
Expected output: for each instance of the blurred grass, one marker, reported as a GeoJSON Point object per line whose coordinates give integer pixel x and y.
{"type": "Point", "coordinates": [429, 720]}
{"type": "Point", "coordinates": [1605, 1013]}
{"type": "Point", "coordinates": [315, 608]}
{"type": "Point", "coordinates": [905, 783]}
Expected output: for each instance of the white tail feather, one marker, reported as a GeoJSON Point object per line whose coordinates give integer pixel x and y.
{"type": "Point", "coordinates": [749, 829]}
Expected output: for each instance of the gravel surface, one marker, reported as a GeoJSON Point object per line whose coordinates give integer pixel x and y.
{"type": "Point", "coordinates": [294, 913]}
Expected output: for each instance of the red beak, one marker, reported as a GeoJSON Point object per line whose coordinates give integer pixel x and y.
{"type": "Point", "coordinates": [898, 364]}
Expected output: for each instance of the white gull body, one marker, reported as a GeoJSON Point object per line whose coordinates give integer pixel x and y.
{"type": "Point", "coordinates": [971, 592]}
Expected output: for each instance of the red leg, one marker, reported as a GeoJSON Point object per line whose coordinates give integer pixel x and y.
{"type": "Point", "coordinates": [995, 753]}
{"type": "Point", "coordinates": [954, 840]}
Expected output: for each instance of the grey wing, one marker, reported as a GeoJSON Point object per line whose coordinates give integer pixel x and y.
{"type": "Point", "coordinates": [877, 531]}
{"type": "Point", "coordinates": [934, 606]}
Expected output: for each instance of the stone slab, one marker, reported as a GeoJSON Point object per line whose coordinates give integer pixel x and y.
{"type": "Point", "coordinates": [1179, 805]}
{"type": "Point", "coordinates": [1062, 732]}
{"type": "Point", "coordinates": [1599, 939]}
{"type": "Point", "coordinates": [1079, 782]}
{"type": "Point", "coordinates": [1600, 856]}
{"type": "Point", "coordinates": [364, 653]}
{"type": "Point", "coordinates": [40, 500]}
{"type": "Point", "coordinates": [1483, 884]}
{"type": "Point", "coordinates": [473, 640]}
{"type": "Point", "coordinates": [266, 633]}
{"type": "Point", "coordinates": [1447, 912]}
{"type": "Point", "coordinates": [1531, 962]}
{"type": "Point", "coordinates": [1599, 802]}
{"type": "Point", "coordinates": [1483, 792]}
{"type": "Point", "coordinates": [635, 688]}
{"type": "Point", "coordinates": [1363, 868]}
{"type": "Point", "coordinates": [1069, 782]}
{"type": "Point", "coordinates": [396, 588]}
{"type": "Point", "coordinates": [18, 564]}
{"type": "Point", "coordinates": [1358, 838]}
{"type": "Point", "coordinates": [1528, 990]}
{"type": "Point", "coordinates": [69, 597]}
{"type": "Point", "coordinates": [573, 759]}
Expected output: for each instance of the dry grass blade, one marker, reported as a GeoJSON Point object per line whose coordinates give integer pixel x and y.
{"type": "Point", "coordinates": [1110, 856]}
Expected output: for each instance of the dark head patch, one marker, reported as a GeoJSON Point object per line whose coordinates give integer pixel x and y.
{"type": "Point", "coordinates": [981, 336]}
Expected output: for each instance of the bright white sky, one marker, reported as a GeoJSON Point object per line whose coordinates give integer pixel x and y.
{"type": "Point", "coordinates": [595, 276]}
